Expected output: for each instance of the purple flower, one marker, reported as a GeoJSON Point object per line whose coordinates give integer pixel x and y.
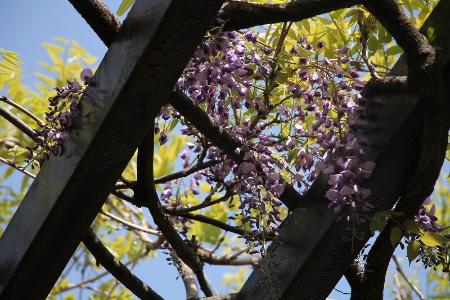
{"type": "Point", "coordinates": [86, 75]}
{"type": "Point", "coordinates": [353, 73]}
{"type": "Point", "coordinates": [343, 50]}
{"type": "Point", "coordinates": [245, 168]}
{"type": "Point", "coordinates": [163, 137]}
{"type": "Point", "coordinates": [367, 168]}
{"type": "Point", "coordinates": [427, 219]}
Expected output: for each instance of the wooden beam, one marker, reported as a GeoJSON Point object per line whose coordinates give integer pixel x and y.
{"type": "Point", "coordinates": [133, 80]}
{"type": "Point", "coordinates": [311, 255]}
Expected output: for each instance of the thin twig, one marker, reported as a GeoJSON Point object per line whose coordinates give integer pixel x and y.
{"type": "Point", "coordinates": [131, 225]}
{"type": "Point", "coordinates": [211, 221]}
{"type": "Point", "coordinates": [184, 173]}
{"type": "Point", "coordinates": [117, 269]}
{"type": "Point", "coordinates": [199, 206]}
{"type": "Point", "coordinates": [405, 278]}
{"type": "Point", "coordinates": [11, 164]}
{"type": "Point", "coordinates": [21, 125]}
{"type": "Point", "coordinates": [22, 109]}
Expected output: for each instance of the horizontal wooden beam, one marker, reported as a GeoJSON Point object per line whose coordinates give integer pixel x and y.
{"type": "Point", "coordinates": [132, 82]}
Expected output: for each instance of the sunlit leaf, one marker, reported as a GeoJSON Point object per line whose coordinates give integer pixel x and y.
{"type": "Point", "coordinates": [413, 250]}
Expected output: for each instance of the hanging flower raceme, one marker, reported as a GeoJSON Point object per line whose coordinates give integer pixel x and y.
{"type": "Point", "coordinates": [289, 131]}
{"type": "Point", "coordinates": [62, 109]}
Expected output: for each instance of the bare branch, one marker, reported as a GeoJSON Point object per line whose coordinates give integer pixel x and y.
{"type": "Point", "coordinates": [199, 206]}
{"type": "Point", "coordinates": [13, 165]}
{"type": "Point", "coordinates": [211, 221]}
{"type": "Point", "coordinates": [131, 225]}
{"type": "Point", "coordinates": [117, 269]}
{"type": "Point", "coordinates": [418, 51]}
{"type": "Point", "coordinates": [220, 297]}
{"type": "Point", "coordinates": [184, 173]}
{"type": "Point", "coordinates": [239, 14]}
{"type": "Point", "coordinates": [377, 263]}
{"type": "Point", "coordinates": [22, 109]}
{"type": "Point", "coordinates": [97, 15]}
{"type": "Point", "coordinates": [388, 84]}
{"type": "Point", "coordinates": [187, 276]}
{"type": "Point", "coordinates": [21, 125]}
{"type": "Point", "coordinates": [146, 193]}
{"type": "Point", "coordinates": [229, 260]}
{"type": "Point", "coordinates": [354, 276]}
{"type": "Point", "coordinates": [406, 279]}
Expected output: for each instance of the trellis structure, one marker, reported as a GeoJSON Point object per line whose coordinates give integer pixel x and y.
{"type": "Point", "coordinates": [136, 77]}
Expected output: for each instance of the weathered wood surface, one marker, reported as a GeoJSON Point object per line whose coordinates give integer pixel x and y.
{"type": "Point", "coordinates": [132, 82]}
{"type": "Point", "coordinates": [310, 256]}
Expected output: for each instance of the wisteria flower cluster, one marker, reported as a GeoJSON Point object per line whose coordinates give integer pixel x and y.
{"type": "Point", "coordinates": [426, 218]}
{"type": "Point", "coordinates": [62, 109]}
{"type": "Point", "coordinates": [289, 130]}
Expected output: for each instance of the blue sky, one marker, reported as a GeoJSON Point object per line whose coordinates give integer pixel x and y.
{"type": "Point", "coordinates": [25, 26]}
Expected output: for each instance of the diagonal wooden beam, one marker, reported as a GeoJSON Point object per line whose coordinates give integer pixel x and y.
{"type": "Point", "coordinates": [311, 255]}
{"type": "Point", "coordinates": [134, 79]}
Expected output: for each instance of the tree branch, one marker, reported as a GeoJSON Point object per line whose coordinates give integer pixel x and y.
{"type": "Point", "coordinates": [131, 225]}
{"type": "Point", "coordinates": [22, 109]}
{"type": "Point", "coordinates": [97, 15]}
{"type": "Point", "coordinates": [184, 173]}
{"type": "Point", "coordinates": [239, 14]}
{"type": "Point", "coordinates": [205, 203]}
{"type": "Point", "coordinates": [146, 193]}
{"type": "Point", "coordinates": [354, 276]}
{"type": "Point", "coordinates": [21, 125]}
{"type": "Point", "coordinates": [13, 165]}
{"type": "Point", "coordinates": [418, 51]}
{"type": "Point", "coordinates": [187, 276]}
{"type": "Point", "coordinates": [377, 263]}
{"type": "Point", "coordinates": [228, 260]}
{"type": "Point", "coordinates": [211, 221]}
{"type": "Point", "coordinates": [222, 139]}
{"type": "Point", "coordinates": [117, 269]}
{"type": "Point", "coordinates": [428, 75]}
{"type": "Point", "coordinates": [388, 84]}
{"type": "Point", "coordinates": [406, 279]}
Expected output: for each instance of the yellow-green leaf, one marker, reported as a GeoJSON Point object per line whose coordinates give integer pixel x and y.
{"type": "Point", "coordinates": [413, 250]}
{"type": "Point", "coordinates": [412, 227]}
{"type": "Point", "coordinates": [433, 239]}
{"type": "Point", "coordinates": [396, 235]}
{"type": "Point", "coordinates": [124, 6]}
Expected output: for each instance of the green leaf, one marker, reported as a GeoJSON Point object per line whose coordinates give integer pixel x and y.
{"type": "Point", "coordinates": [396, 236]}
{"type": "Point", "coordinates": [412, 227]}
{"type": "Point", "coordinates": [172, 124]}
{"type": "Point", "coordinates": [431, 34]}
{"type": "Point", "coordinates": [54, 51]}
{"type": "Point", "coordinates": [394, 50]}
{"type": "Point", "coordinates": [433, 239]}
{"type": "Point", "coordinates": [378, 221]}
{"type": "Point", "coordinates": [7, 173]}
{"type": "Point", "coordinates": [209, 233]}
{"type": "Point", "coordinates": [413, 250]}
{"type": "Point", "coordinates": [124, 6]}
{"type": "Point", "coordinates": [384, 37]}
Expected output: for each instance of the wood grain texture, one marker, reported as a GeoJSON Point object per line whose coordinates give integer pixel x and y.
{"type": "Point", "coordinates": [134, 79]}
